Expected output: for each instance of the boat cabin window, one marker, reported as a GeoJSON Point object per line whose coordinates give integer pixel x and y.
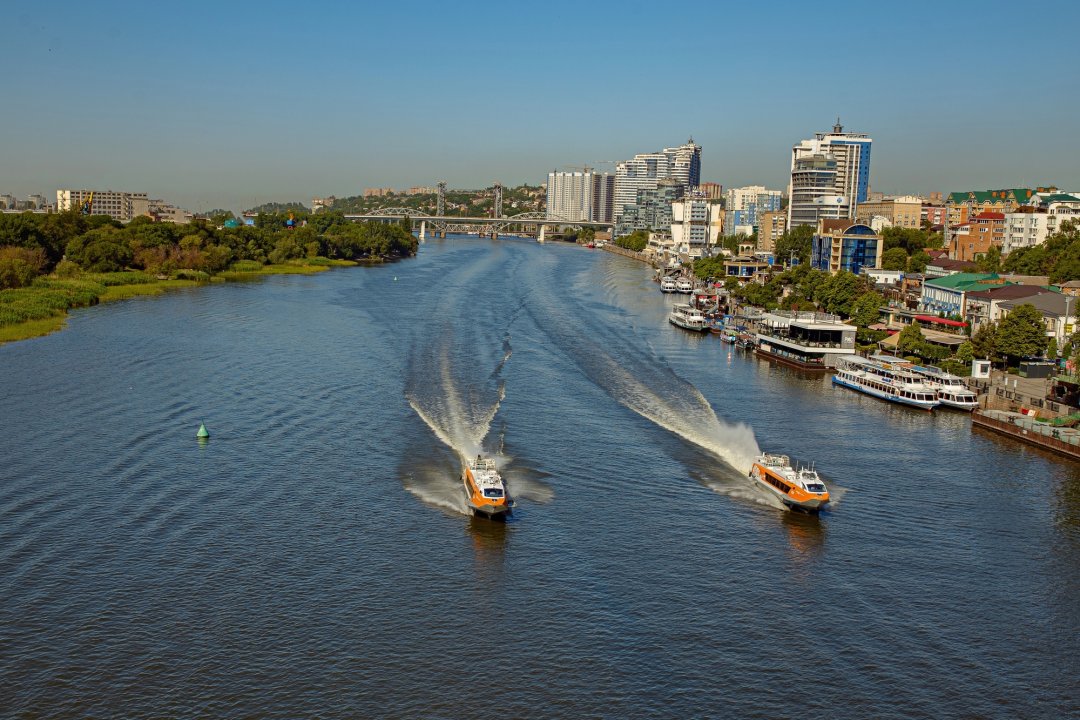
{"type": "Point", "coordinates": [815, 487]}
{"type": "Point", "coordinates": [493, 492]}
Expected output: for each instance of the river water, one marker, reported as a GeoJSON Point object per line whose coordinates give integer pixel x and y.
{"type": "Point", "coordinates": [315, 557]}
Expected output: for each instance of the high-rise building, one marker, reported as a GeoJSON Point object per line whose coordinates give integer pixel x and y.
{"type": "Point", "coordinates": [713, 191]}
{"type": "Point", "coordinates": [569, 195]}
{"type": "Point", "coordinates": [603, 197]}
{"type": "Point", "coordinates": [745, 204]}
{"type": "Point", "coordinates": [693, 230]}
{"type": "Point", "coordinates": [771, 226]}
{"type": "Point", "coordinates": [685, 163]}
{"type": "Point", "coordinates": [579, 196]}
{"type": "Point", "coordinates": [812, 192]}
{"type": "Point", "coordinates": [847, 157]}
{"type": "Point", "coordinates": [645, 171]}
{"type": "Point", "coordinates": [651, 209]}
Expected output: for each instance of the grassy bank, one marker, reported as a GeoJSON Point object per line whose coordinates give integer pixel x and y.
{"type": "Point", "coordinates": [42, 308]}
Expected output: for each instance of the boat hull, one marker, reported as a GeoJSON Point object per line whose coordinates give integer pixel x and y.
{"type": "Point", "coordinates": [691, 328]}
{"type": "Point", "coordinates": [767, 354]}
{"type": "Point", "coordinates": [957, 403]}
{"type": "Point", "coordinates": [489, 511]}
{"type": "Point", "coordinates": [920, 404]}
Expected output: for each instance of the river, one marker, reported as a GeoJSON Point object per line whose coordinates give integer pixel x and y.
{"type": "Point", "coordinates": [315, 558]}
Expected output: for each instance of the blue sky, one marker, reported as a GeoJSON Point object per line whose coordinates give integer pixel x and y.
{"type": "Point", "coordinates": [232, 104]}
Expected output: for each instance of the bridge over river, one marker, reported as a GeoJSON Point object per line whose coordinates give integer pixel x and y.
{"type": "Point", "coordinates": [529, 223]}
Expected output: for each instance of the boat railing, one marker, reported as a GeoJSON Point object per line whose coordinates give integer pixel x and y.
{"type": "Point", "coordinates": [797, 340]}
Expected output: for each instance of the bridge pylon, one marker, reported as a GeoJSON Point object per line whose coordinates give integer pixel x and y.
{"type": "Point", "coordinates": [496, 205]}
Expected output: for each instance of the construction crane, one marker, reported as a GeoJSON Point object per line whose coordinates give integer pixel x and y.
{"type": "Point", "coordinates": [590, 168]}
{"type": "Point", "coordinates": [88, 204]}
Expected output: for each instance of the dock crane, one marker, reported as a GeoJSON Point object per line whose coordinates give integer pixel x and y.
{"type": "Point", "coordinates": [88, 204]}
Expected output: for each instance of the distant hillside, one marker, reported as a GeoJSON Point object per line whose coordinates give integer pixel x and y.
{"type": "Point", "coordinates": [276, 207]}
{"type": "Point", "coordinates": [473, 203]}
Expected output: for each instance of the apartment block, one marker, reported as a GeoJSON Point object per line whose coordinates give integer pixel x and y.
{"type": "Point", "coordinates": [905, 211]}
{"type": "Point", "coordinates": [744, 204]}
{"type": "Point", "coordinates": [771, 226]}
{"type": "Point", "coordinates": [122, 206]}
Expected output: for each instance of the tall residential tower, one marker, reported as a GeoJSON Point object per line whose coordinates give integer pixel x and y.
{"type": "Point", "coordinates": [645, 171]}
{"type": "Point", "coordinates": [830, 176]}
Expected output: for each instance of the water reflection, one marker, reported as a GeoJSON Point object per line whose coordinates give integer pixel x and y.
{"type": "Point", "coordinates": [1068, 502]}
{"type": "Point", "coordinates": [806, 535]}
{"type": "Point", "coordinates": [489, 540]}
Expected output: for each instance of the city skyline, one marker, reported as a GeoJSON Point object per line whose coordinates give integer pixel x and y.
{"type": "Point", "coordinates": [222, 107]}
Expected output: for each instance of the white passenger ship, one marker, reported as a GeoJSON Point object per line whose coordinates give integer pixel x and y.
{"type": "Point", "coordinates": [688, 317]}
{"type": "Point", "coordinates": [668, 285]}
{"type": "Point", "coordinates": [951, 390]}
{"type": "Point", "coordinates": [886, 381]}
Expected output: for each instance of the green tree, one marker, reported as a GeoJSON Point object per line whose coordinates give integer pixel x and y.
{"type": "Point", "coordinates": [984, 341]}
{"type": "Point", "coordinates": [1021, 333]}
{"type": "Point", "coordinates": [894, 259]}
{"type": "Point", "coordinates": [918, 261]}
{"type": "Point", "coordinates": [798, 241]}
{"type": "Point", "coordinates": [910, 239]}
{"type": "Point", "coordinates": [838, 293]}
{"type": "Point", "coordinates": [103, 250]}
{"type": "Point", "coordinates": [966, 352]}
{"type": "Point", "coordinates": [911, 340]}
{"type": "Point", "coordinates": [867, 309]}
{"type": "Point", "coordinates": [635, 241]}
{"type": "Point", "coordinates": [990, 261]}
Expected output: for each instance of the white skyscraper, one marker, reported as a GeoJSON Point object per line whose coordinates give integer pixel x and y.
{"type": "Point", "coordinates": [569, 195]}
{"type": "Point", "coordinates": [845, 158]}
{"type": "Point", "coordinates": [645, 171]}
{"type": "Point", "coordinates": [580, 195]}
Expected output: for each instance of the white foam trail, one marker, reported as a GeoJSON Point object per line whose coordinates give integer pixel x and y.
{"type": "Point", "coordinates": [746, 492]}
{"type": "Point", "coordinates": [432, 488]}
{"type": "Point", "coordinates": [688, 414]}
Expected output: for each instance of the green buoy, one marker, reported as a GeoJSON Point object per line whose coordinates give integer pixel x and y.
{"type": "Point", "coordinates": [202, 434]}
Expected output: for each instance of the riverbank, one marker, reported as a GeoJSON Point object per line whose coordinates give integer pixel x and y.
{"type": "Point", "coordinates": [648, 259]}
{"type": "Point", "coordinates": [42, 308]}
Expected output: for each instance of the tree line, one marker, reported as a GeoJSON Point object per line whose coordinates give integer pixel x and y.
{"type": "Point", "coordinates": [35, 244]}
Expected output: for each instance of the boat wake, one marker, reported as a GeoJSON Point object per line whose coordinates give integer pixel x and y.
{"type": "Point", "coordinates": [430, 484]}
{"type": "Point", "coordinates": [628, 370]}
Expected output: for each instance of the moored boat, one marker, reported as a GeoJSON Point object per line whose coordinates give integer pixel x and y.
{"type": "Point", "coordinates": [668, 285]}
{"type": "Point", "coordinates": [885, 381]}
{"type": "Point", "coordinates": [484, 488]}
{"type": "Point", "coordinates": [684, 286]}
{"type": "Point", "coordinates": [951, 390]}
{"type": "Point", "coordinates": [800, 489]}
{"type": "Point", "coordinates": [688, 318]}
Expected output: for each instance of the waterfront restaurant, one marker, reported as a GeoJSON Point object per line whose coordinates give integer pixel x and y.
{"type": "Point", "coordinates": [807, 340]}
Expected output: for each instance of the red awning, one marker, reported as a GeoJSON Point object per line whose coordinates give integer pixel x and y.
{"type": "Point", "coordinates": [940, 321]}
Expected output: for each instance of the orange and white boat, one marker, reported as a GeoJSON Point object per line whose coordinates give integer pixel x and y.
{"type": "Point", "coordinates": [800, 489]}
{"type": "Point", "coordinates": [484, 488]}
